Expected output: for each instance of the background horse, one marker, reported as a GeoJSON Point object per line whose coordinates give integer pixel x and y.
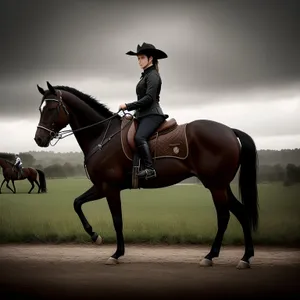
{"type": "Point", "coordinates": [208, 150]}
{"type": "Point", "coordinates": [33, 175]}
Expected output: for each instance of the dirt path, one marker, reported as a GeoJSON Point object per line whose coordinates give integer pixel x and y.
{"type": "Point", "coordinates": [79, 272]}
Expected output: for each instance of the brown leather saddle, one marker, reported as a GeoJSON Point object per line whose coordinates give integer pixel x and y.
{"type": "Point", "coordinates": [169, 141]}
{"type": "Point", "coordinates": [164, 128]}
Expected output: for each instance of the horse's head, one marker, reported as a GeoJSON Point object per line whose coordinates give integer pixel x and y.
{"type": "Point", "coordinates": [54, 116]}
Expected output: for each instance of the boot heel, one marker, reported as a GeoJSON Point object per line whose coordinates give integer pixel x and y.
{"type": "Point", "coordinates": [152, 174]}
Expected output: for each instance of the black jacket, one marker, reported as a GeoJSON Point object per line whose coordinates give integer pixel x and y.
{"type": "Point", "coordinates": [147, 90]}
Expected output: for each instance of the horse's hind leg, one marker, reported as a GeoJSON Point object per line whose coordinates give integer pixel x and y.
{"type": "Point", "coordinates": [2, 184]}
{"type": "Point", "coordinates": [222, 207]}
{"type": "Point", "coordinates": [13, 183]}
{"type": "Point", "coordinates": [39, 187]}
{"type": "Point", "coordinates": [238, 209]}
{"type": "Point", "coordinates": [32, 186]}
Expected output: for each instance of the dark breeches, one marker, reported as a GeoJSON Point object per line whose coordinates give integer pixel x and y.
{"type": "Point", "coordinates": [146, 127]}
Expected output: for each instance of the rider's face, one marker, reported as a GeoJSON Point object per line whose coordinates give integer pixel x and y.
{"type": "Point", "coordinates": [143, 61]}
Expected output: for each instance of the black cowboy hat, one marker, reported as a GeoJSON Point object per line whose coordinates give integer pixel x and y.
{"type": "Point", "coordinates": [148, 49]}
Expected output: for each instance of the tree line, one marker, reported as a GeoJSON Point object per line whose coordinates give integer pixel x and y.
{"type": "Point", "coordinates": [266, 157]}
{"type": "Point", "coordinates": [289, 175]}
{"type": "Point", "coordinates": [282, 171]}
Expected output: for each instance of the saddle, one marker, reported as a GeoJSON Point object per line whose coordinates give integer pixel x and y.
{"type": "Point", "coordinates": [165, 127]}
{"type": "Point", "coordinates": [169, 141]}
{"type": "Point", "coordinates": [19, 172]}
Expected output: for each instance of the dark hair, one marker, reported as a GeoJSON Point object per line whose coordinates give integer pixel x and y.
{"type": "Point", "coordinates": [155, 63]}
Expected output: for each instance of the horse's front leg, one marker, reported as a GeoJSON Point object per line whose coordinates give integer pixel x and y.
{"type": "Point", "coordinates": [7, 185]}
{"type": "Point", "coordinates": [114, 203]}
{"type": "Point", "coordinates": [90, 195]}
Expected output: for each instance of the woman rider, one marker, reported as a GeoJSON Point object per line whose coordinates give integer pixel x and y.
{"type": "Point", "coordinates": [148, 111]}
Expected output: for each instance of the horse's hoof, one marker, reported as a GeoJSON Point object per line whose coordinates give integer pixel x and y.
{"type": "Point", "coordinates": [112, 261]}
{"type": "Point", "coordinates": [99, 240]}
{"type": "Point", "coordinates": [243, 265]}
{"type": "Point", "coordinates": [205, 262]}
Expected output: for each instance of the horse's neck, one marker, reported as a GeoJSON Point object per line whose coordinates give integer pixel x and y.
{"type": "Point", "coordinates": [4, 164]}
{"type": "Point", "coordinates": [82, 115]}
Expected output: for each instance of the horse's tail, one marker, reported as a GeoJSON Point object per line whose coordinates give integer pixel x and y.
{"type": "Point", "coordinates": [248, 177]}
{"type": "Point", "coordinates": [42, 180]}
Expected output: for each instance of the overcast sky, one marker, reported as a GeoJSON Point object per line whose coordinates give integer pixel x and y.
{"type": "Point", "coordinates": [235, 62]}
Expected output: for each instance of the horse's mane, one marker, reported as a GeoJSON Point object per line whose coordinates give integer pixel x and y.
{"type": "Point", "coordinates": [89, 100]}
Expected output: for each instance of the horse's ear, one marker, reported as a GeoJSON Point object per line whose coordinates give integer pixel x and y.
{"type": "Point", "coordinates": [51, 88]}
{"type": "Point", "coordinates": [41, 90]}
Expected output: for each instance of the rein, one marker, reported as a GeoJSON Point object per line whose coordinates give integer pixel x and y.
{"type": "Point", "coordinates": [65, 133]}
{"type": "Point", "coordinates": [59, 135]}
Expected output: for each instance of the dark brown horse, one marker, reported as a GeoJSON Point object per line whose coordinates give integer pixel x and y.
{"type": "Point", "coordinates": [208, 150]}
{"type": "Point", "coordinates": [33, 175]}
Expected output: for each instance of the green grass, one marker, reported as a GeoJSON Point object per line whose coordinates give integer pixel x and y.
{"type": "Point", "coordinates": [177, 214]}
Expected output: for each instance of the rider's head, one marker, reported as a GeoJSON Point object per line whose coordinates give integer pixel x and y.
{"type": "Point", "coordinates": [147, 55]}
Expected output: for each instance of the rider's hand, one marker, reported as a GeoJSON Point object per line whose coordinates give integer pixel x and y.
{"type": "Point", "coordinates": [122, 106]}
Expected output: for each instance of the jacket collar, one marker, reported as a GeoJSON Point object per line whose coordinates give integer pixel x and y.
{"type": "Point", "coordinates": [146, 71]}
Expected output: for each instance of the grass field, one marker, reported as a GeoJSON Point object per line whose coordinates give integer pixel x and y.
{"type": "Point", "coordinates": [178, 214]}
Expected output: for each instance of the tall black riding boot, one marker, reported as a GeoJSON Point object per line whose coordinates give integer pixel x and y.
{"type": "Point", "coordinates": [149, 171]}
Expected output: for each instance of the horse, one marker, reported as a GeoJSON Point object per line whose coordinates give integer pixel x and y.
{"type": "Point", "coordinates": [33, 175]}
{"type": "Point", "coordinates": [206, 149]}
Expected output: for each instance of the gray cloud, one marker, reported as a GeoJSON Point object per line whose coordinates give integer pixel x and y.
{"type": "Point", "coordinates": [214, 47]}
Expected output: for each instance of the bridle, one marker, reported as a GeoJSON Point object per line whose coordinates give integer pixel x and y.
{"type": "Point", "coordinates": [63, 134]}
{"type": "Point", "coordinates": [52, 132]}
